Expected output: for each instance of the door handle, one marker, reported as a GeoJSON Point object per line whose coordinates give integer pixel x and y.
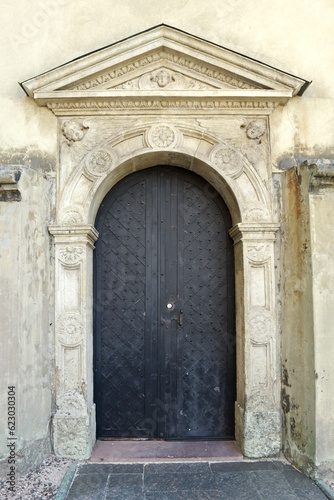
{"type": "Point", "coordinates": [180, 317]}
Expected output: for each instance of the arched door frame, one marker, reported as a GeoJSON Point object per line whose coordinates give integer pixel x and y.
{"type": "Point", "coordinates": [102, 163]}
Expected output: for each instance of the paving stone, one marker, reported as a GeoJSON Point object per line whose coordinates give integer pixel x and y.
{"type": "Point", "coordinates": [177, 467]}
{"type": "Point", "coordinates": [313, 493]}
{"type": "Point", "coordinates": [125, 482]}
{"type": "Point", "coordinates": [236, 485]}
{"type": "Point", "coordinates": [187, 495]}
{"type": "Point", "coordinates": [178, 481]}
{"type": "Point", "coordinates": [241, 466]}
{"type": "Point", "coordinates": [88, 486]}
{"type": "Point", "coordinates": [273, 485]}
{"type": "Point", "coordinates": [111, 468]}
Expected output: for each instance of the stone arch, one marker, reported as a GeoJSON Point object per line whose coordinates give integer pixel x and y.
{"type": "Point", "coordinates": [225, 167]}
{"type": "Point", "coordinates": [218, 161]}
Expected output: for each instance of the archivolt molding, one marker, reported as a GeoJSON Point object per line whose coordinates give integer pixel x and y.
{"type": "Point", "coordinates": [161, 141]}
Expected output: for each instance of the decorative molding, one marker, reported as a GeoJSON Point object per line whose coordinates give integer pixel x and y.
{"type": "Point", "coordinates": [9, 178]}
{"type": "Point", "coordinates": [256, 231]}
{"type": "Point", "coordinates": [322, 173]}
{"type": "Point", "coordinates": [113, 104]}
{"type": "Point", "coordinates": [85, 233]}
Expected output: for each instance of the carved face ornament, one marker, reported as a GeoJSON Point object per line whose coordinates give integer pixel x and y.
{"type": "Point", "coordinates": [162, 78]}
{"type": "Point", "coordinates": [73, 131]}
{"type": "Point", "coordinates": [255, 129]}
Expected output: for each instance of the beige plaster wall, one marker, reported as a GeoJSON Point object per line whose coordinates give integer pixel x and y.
{"type": "Point", "coordinates": [37, 36]}
{"type": "Point", "coordinates": [26, 340]}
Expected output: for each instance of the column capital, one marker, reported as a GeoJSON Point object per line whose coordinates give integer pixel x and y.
{"type": "Point", "coordinates": [254, 231]}
{"type": "Point", "coordinates": [79, 233]}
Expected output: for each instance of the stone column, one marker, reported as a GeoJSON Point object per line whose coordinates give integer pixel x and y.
{"type": "Point", "coordinates": [258, 420]}
{"type": "Point", "coordinates": [74, 420]}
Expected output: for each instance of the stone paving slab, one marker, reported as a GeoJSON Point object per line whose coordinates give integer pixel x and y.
{"type": "Point", "coordinates": [254, 480]}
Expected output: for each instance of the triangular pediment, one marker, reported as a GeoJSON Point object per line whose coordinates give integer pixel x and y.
{"type": "Point", "coordinates": [162, 62]}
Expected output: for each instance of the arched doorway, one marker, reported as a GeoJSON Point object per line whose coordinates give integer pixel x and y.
{"type": "Point", "coordinates": [164, 325]}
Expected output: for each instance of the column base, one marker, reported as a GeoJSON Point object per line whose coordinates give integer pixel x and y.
{"type": "Point", "coordinates": [74, 437]}
{"type": "Point", "coordinates": [258, 434]}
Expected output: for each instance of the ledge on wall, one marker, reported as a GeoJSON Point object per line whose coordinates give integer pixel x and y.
{"type": "Point", "coordinates": [9, 177]}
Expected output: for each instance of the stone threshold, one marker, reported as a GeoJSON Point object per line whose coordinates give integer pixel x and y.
{"type": "Point", "coordinates": [139, 450]}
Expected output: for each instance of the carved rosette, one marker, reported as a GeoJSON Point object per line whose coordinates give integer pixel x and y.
{"type": "Point", "coordinates": [70, 329]}
{"type": "Point", "coordinates": [255, 214]}
{"type": "Point", "coordinates": [261, 328]}
{"type": "Point", "coordinates": [70, 254]}
{"type": "Point", "coordinates": [259, 252]}
{"type": "Point", "coordinates": [228, 159]}
{"type": "Point", "coordinates": [100, 161]}
{"type": "Point", "coordinates": [72, 216]}
{"type": "Point", "coordinates": [162, 136]}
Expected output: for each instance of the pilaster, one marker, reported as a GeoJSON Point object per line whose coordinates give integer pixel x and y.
{"type": "Point", "coordinates": [74, 421]}
{"type": "Point", "coordinates": [258, 422]}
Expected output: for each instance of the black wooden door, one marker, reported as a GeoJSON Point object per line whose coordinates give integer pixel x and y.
{"type": "Point", "coordinates": [164, 351]}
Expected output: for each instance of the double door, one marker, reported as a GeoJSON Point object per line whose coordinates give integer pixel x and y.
{"type": "Point", "coordinates": [164, 349]}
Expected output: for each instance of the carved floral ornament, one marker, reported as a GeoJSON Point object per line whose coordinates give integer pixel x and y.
{"type": "Point", "coordinates": [261, 328]}
{"type": "Point", "coordinates": [228, 159]}
{"type": "Point", "coordinates": [70, 329]}
{"type": "Point", "coordinates": [100, 161]}
{"type": "Point", "coordinates": [72, 216]}
{"type": "Point", "coordinates": [70, 254]}
{"type": "Point", "coordinates": [259, 252]}
{"type": "Point", "coordinates": [162, 136]}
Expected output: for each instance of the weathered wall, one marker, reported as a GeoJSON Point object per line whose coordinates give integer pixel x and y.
{"type": "Point", "coordinates": [298, 380]}
{"type": "Point", "coordinates": [307, 316]}
{"type": "Point", "coordinates": [322, 237]}
{"type": "Point", "coordinates": [37, 36]}
{"type": "Point", "coordinates": [26, 314]}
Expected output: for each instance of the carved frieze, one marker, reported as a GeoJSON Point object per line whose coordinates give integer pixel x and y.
{"type": "Point", "coordinates": [164, 79]}
{"type": "Point", "coordinates": [162, 56]}
{"type": "Point", "coordinates": [93, 105]}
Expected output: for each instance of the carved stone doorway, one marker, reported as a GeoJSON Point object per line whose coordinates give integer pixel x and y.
{"type": "Point", "coordinates": [164, 97]}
